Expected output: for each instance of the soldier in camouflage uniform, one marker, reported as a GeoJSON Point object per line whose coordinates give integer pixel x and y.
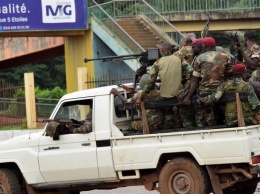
{"type": "Point", "coordinates": [251, 55]}
{"type": "Point", "coordinates": [154, 116]}
{"type": "Point", "coordinates": [208, 73]}
{"type": "Point", "coordinates": [86, 127]}
{"type": "Point", "coordinates": [255, 75]}
{"type": "Point", "coordinates": [185, 52]}
{"type": "Point", "coordinates": [168, 68]}
{"type": "Point", "coordinates": [187, 112]}
{"type": "Point", "coordinates": [236, 84]}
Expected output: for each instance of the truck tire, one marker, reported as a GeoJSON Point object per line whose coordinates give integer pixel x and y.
{"type": "Point", "coordinates": [185, 176]}
{"type": "Point", "coordinates": [9, 183]}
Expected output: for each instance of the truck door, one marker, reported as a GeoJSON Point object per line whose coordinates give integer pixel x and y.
{"type": "Point", "coordinates": [72, 157]}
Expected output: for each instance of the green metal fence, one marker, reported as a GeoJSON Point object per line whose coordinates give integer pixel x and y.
{"type": "Point", "coordinates": [116, 8]}
{"type": "Point", "coordinates": [184, 6]}
{"type": "Point", "coordinates": [127, 8]}
{"type": "Point", "coordinates": [107, 12]}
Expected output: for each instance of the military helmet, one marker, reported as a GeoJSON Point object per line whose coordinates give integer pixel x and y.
{"type": "Point", "coordinates": [51, 128]}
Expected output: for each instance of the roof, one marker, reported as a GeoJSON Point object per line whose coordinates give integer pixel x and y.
{"type": "Point", "coordinates": [91, 92]}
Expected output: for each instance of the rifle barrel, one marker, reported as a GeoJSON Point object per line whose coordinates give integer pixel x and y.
{"type": "Point", "coordinates": [111, 58]}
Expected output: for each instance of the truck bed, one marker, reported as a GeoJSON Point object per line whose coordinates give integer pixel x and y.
{"type": "Point", "coordinates": [132, 132]}
{"type": "Point", "coordinates": [208, 146]}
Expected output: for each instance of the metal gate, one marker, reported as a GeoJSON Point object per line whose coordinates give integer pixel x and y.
{"type": "Point", "coordinates": [109, 78]}
{"type": "Point", "coordinates": [12, 106]}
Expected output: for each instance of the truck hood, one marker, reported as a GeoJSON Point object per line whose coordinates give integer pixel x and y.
{"type": "Point", "coordinates": [21, 141]}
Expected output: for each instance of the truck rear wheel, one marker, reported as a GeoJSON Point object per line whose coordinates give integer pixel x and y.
{"type": "Point", "coordinates": [9, 183]}
{"type": "Point", "coordinates": [185, 176]}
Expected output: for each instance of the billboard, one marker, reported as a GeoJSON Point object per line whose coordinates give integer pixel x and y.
{"type": "Point", "coordinates": [43, 15]}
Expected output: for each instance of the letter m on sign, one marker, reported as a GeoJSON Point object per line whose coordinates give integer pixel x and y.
{"type": "Point", "coordinates": [58, 11]}
{"type": "Point", "coordinates": [50, 11]}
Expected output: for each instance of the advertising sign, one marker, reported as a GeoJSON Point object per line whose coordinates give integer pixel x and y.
{"type": "Point", "coordinates": [43, 15]}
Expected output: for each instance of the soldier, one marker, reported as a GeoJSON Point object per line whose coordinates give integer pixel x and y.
{"type": "Point", "coordinates": [154, 116]}
{"type": "Point", "coordinates": [208, 73]}
{"type": "Point", "coordinates": [185, 53]}
{"type": "Point", "coordinates": [251, 55]}
{"type": "Point", "coordinates": [168, 68]}
{"type": "Point", "coordinates": [255, 75]}
{"type": "Point", "coordinates": [187, 112]}
{"type": "Point", "coordinates": [86, 127]}
{"type": "Point", "coordinates": [236, 84]}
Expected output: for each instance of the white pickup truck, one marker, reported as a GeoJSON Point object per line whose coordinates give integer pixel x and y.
{"type": "Point", "coordinates": [199, 161]}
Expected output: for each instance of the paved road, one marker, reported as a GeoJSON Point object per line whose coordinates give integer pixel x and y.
{"type": "Point", "coordinates": [133, 190]}
{"type": "Point", "coordinates": [123, 190]}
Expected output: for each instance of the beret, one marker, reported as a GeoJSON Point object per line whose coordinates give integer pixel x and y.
{"type": "Point", "coordinates": [197, 41]}
{"type": "Point", "coordinates": [239, 68]}
{"type": "Point", "coordinates": [209, 41]}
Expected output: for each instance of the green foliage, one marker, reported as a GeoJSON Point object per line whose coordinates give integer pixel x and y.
{"type": "Point", "coordinates": [55, 93]}
{"type": "Point", "coordinates": [47, 74]}
{"type": "Point", "coordinates": [19, 93]}
{"type": "Point", "coordinates": [46, 100]}
{"type": "Point", "coordinates": [44, 107]}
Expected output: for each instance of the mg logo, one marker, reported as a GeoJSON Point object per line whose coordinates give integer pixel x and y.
{"type": "Point", "coordinates": [58, 11]}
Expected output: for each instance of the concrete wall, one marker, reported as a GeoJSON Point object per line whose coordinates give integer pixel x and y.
{"type": "Point", "coordinates": [101, 68]}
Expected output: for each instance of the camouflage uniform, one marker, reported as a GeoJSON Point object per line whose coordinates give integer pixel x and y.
{"type": "Point", "coordinates": [168, 68]}
{"type": "Point", "coordinates": [236, 85]}
{"type": "Point", "coordinates": [255, 75]}
{"type": "Point", "coordinates": [210, 67]}
{"type": "Point", "coordinates": [252, 53]}
{"type": "Point", "coordinates": [154, 116]}
{"type": "Point", "coordinates": [86, 127]}
{"type": "Point", "coordinates": [185, 54]}
{"type": "Point", "coordinates": [186, 112]}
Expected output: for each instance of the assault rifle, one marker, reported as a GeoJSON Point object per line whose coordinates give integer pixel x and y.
{"type": "Point", "coordinates": [151, 54]}
{"type": "Point", "coordinates": [62, 121]}
{"type": "Point", "coordinates": [146, 58]}
{"type": "Point", "coordinates": [206, 28]}
{"type": "Point", "coordinates": [62, 128]}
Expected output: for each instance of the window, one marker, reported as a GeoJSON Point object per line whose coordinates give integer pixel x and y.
{"type": "Point", "coordinates": [77, 110]}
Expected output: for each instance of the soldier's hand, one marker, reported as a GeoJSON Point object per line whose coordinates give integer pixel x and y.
{"type": "Point", "coordinates": [186, 101]}
{"type": "Point", "coordinates": [70, 127]}
{"type": "Point", "coordinates": [138, 102]}
{"type": "Point", "coordinates": [239, 49]}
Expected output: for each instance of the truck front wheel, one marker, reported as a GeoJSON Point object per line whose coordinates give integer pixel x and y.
{"type": "Point", "coordinates": [9, 183]}
{"type": "Point", "coordinates": [185, 176]}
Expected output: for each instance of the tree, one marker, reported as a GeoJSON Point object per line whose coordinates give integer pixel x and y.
{"type": "Point", "coordinates": [47, 74]}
